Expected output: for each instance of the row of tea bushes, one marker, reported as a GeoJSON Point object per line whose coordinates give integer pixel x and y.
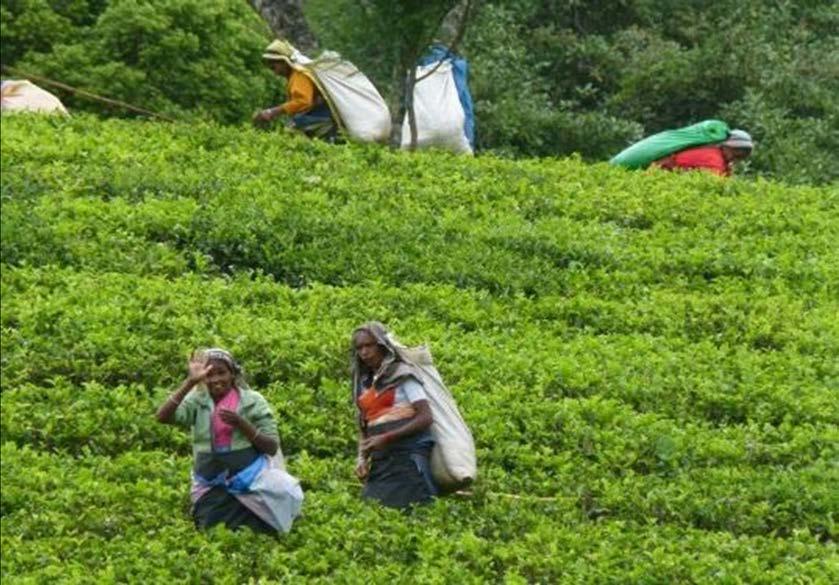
{"type": "Point", "coordinates": [124, 520]}
{"type": "Point", "coordinates": [647, 361]}
{"type": "Point", "coordinates": [161, 202]}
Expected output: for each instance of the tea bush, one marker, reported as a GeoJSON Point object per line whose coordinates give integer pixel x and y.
{"type": "Point", "coordinates": [647, 361]}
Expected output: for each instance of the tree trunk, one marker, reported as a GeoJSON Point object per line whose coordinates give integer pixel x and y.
{"type": "Point", "coordinates": [396, 104]}
{"type": "Point", "coordinates": [286, 20]}
{"type": "Point", "coordinates": [409, 99]}
{"type": "Point", "coordinates": [452, 26]}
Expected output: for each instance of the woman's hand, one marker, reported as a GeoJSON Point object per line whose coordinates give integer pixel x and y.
{"type": "Point", "coordinates": [231, 417]}
{"type": "Point", "coordinates": [198, 369]}
{"type": "Point", "coordinates": [374, 443]}
{"type": "Point", "coordinates": [264, 116]}
{"type": "Point", "coordinates": [362, 468]}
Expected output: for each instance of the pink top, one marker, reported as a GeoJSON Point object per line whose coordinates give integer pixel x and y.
{"type": "Point", "coordinates": [223, 432]}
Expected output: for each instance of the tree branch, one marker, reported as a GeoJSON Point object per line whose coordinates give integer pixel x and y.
{"type": "Point", "coordinates": [84, 93]}
{"type": "Point", "coordinates": [458, 37]}
{"type": "Point", "coordinates": [452, 26]}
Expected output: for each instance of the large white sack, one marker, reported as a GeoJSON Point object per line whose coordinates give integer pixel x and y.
{"type": "Point", "coordinates": [453, 460]}
{"type": "Point", "coordinates": [364, 113]}
{"type": "Point", "coordinates": [439, 114]}
{"type": "Point", "coordinates": [24, 96]}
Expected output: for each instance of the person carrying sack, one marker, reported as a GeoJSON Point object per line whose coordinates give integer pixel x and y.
{"type": "Point", "coordinates": [307, 109]}
{"type": "Point", "coordinates": [715, 158]}
{"type": "Point", "coordinates": [413, 443]}
{"type": "Point", "coordinates": [395, 442]}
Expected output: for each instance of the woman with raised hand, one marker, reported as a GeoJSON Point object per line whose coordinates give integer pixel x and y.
{"type": "Point", "coordinates": [238, 477]}
{"type": "Point", "coordinates": [394, 416]}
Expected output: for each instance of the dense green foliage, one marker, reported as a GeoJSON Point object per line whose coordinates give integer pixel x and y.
{"type": "Point", "coordinates": [176, 57]}
{"type": "Point", "coordinates": [548, 78]}
{"type": "Point", "coordinates": [647, 360]}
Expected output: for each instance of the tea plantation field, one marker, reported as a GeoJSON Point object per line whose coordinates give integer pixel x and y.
{"type": "Point", "coordinates": [649, 362]}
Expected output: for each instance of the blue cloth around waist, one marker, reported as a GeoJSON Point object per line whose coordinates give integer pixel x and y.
{"type": "Point", "coordinates": [239, 483]}
{"type": "Point", "coordinates": [415, 442]}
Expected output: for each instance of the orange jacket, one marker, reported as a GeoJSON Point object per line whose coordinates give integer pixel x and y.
{"type": "Point", "coordinates": [302, 94]}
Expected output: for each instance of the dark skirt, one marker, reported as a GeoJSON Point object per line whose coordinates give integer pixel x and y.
{"type": "Point", "coordinates": [316, 123]}
{"type": "Point", "coordinates": [400, 474]}
{"type": "Point", "coordinates": [218, 506]}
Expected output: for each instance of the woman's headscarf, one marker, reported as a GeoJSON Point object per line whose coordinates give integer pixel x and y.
{"type": "Point", "coordinates": [282, 50]}
{"type": "Point", "coordinates": [739, 139]}
{"type": "Point", "coordinates": [399, 362]}
{"type": "Point", "coordinates": [222, 355]}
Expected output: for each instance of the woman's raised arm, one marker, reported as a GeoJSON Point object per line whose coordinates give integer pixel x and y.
{"type": "Point", "coordinates": [198, 370]}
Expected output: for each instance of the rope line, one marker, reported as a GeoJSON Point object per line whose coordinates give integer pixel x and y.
{"type": "Point", "coordinates": [469, 494]}
{"type": "Point", "coordinates": [85, 93]}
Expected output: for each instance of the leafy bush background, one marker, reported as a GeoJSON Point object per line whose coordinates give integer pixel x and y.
{"type": "Point", "coordinates": [177, 57]}
{"type": "Point", "coordinates": [646, 360]}
{"type": "Point", "coordinates": [548, 78]}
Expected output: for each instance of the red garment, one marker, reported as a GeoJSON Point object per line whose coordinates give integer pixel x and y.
{"type": "Point", "coordinates": [373, 404]}
{"type": "Point", "coordinates": [708, 158]}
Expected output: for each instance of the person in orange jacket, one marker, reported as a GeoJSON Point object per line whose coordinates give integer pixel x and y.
{"type": "Point", "coordinates": [716, 158]}
{"type": "Point", "coordinates": [307, 109]}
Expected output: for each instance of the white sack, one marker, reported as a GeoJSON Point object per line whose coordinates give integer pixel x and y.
{"type": "Point", "coordinates": [439, 114]}
{"type": "Point", "coordinates": [453, 460]}
{"type": "Point", "coordinates": [24, 96]}
{"type": "Point", "coordinates": [363, 111]}
{"type": "Point", "coordinates": [275, 496]}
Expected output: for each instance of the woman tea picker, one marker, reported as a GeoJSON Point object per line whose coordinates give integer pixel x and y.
{"type": "Point", "coordinates": [395, 441]}
{"type": "Point", "coordinates": [237, 477]}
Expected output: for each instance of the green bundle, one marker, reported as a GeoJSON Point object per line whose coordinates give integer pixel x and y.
{"type": "Point", "coordinates": [657, 146]}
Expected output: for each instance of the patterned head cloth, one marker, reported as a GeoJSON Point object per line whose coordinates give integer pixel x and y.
{"type": "Point", "coordinates": [217, 353]}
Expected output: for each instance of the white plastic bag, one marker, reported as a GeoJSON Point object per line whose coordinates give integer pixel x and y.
{"type": "Point", "coordinates": [274, 495]}
{"type": "Point", "coordinates": [440, 118]}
